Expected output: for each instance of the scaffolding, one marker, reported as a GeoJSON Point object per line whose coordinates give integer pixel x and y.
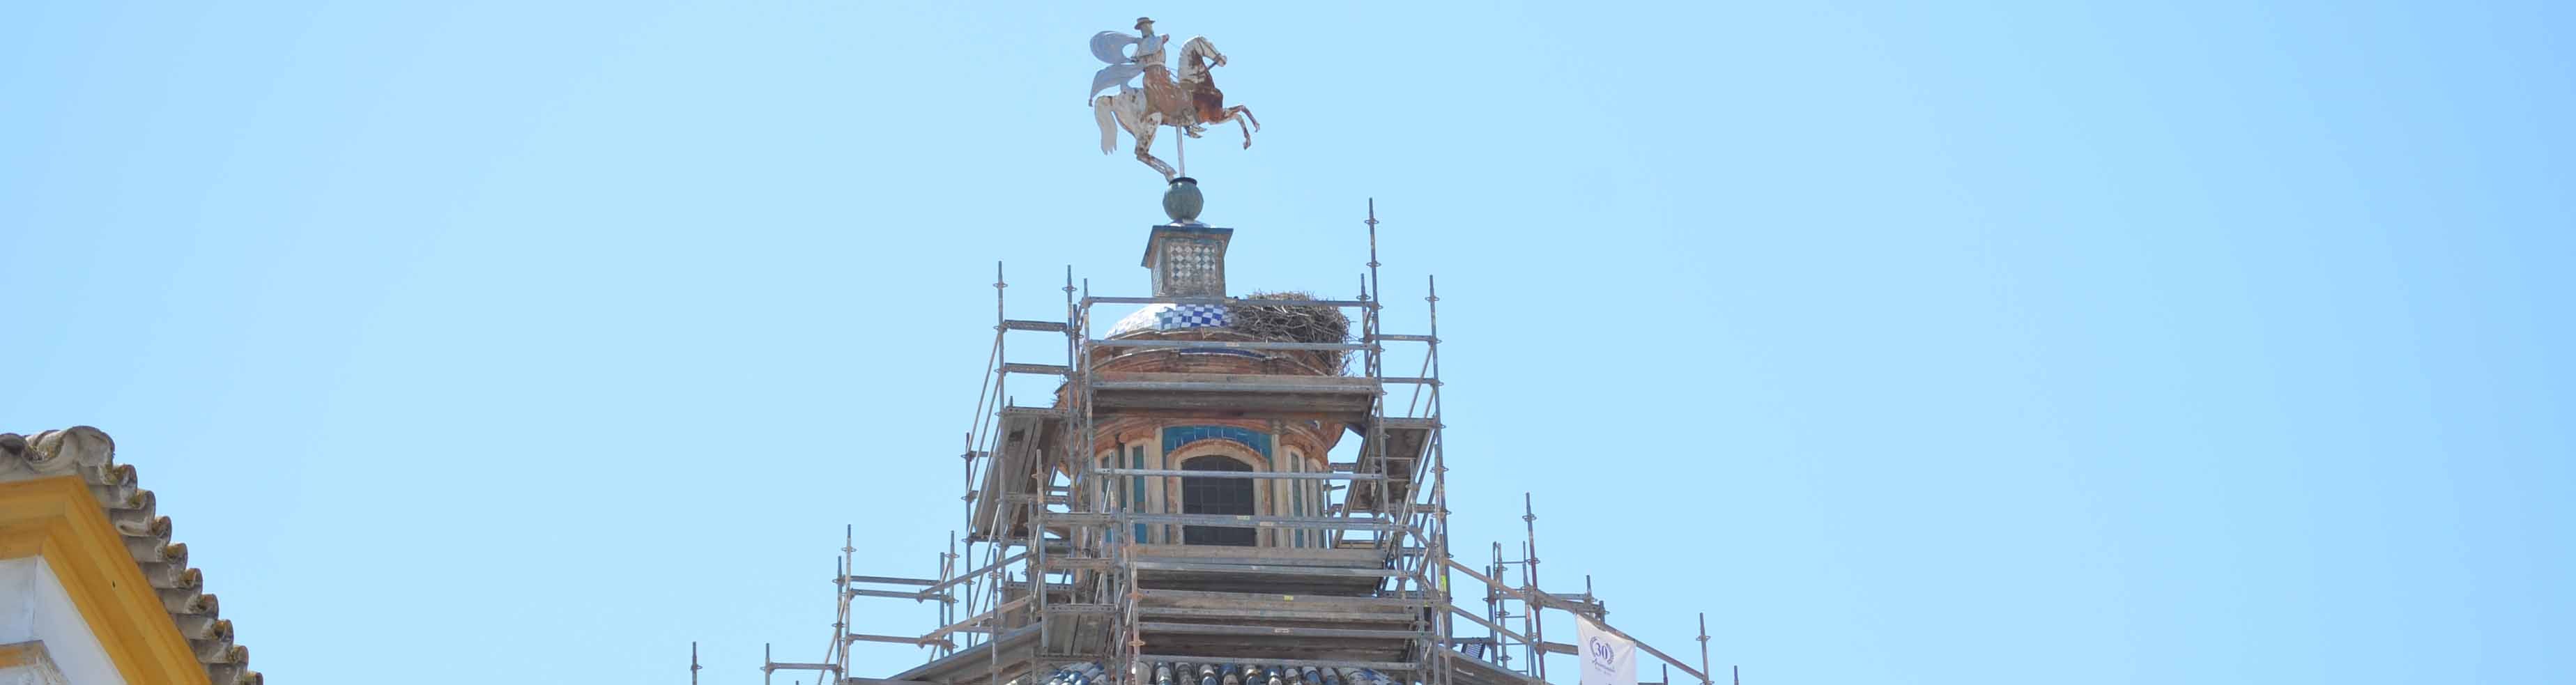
{"type": "Point", "coordinates": [1063, 581]}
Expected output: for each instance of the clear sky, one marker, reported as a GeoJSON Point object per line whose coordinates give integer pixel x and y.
{"type": "Point", "coordinates": [2015, 343]}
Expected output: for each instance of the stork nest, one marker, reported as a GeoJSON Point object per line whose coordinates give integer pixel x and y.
{"type": "Point", "coordinates": [1294, 323]}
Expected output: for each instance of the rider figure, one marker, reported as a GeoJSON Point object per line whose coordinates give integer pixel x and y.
{"type": "Point", "coordinates": [1149, 49]}
{"type": "Point", "coordinates": [1160, 91]}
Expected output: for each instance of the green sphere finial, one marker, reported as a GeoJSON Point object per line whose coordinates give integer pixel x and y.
{"type": "Point", "coordinates": [1182, 200]}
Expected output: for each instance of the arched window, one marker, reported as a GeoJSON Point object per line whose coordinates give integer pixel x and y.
{"type": "Point", "coordinates": [1223, 496]}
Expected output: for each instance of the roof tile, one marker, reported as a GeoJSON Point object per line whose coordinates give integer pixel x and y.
{"type": "Point", "coordinates": [88, 453]}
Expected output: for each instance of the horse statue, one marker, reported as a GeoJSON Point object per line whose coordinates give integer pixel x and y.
{"type": "Point", "coordinates": [1190, 104]}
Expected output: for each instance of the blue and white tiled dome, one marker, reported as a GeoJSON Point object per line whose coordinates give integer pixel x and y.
{"type": "Point", "coordinates": [1172, 317]}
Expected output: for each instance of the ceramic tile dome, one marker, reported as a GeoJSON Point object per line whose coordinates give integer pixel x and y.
{"type": "Point", "coordinates": [1173, 317]}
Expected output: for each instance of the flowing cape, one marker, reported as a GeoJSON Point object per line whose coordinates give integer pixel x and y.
{"type": "Point", "coordinates": [1110, 47]}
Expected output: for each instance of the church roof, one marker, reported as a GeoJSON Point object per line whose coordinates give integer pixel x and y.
{"type": "Point", "coordinates": [88, 454]}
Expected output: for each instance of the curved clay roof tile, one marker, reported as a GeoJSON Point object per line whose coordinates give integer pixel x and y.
{"type": "Point", "coordinates": [90, 454]}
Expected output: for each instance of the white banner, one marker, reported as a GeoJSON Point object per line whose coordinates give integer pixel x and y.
{"type": "Point", "coordinates": [1607, 658]}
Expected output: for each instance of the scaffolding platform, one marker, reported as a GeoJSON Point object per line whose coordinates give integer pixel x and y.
{"type": "Point", "coordinates": [1340, 398]}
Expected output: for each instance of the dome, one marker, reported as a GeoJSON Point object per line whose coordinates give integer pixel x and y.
{"type": "Point", "coordinates": [1173, 317]}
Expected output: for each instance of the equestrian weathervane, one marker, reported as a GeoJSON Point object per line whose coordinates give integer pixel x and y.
{"type": "Point", "coordinates": [1189, 104]}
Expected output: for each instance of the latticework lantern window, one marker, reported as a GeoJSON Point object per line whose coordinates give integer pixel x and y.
{"type": "Point", "coordinates": [1188, 262]}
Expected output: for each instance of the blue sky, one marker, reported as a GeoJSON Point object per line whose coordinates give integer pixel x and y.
{"type": "Point", "coordinates": [2020, 343]}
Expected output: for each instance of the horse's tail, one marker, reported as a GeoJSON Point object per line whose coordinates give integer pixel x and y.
{"type": "Point", "coordinates": [1103, 110]}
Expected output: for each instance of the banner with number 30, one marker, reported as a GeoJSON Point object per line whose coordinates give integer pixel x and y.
{"type": "Point", "coordinates": [1608, 659]}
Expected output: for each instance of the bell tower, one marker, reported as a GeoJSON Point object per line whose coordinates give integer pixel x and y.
{"type": "Point", "coordinates": [1155, 408]}
{"type": "Point", "coordinates": [1172, 512]}
{"type": "Point", "coordinates": [1178, 497]}
{"type": "Point", "coordinates": [1167, 508]}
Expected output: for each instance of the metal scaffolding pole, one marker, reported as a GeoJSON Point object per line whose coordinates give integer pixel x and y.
{"type": "Point", "coordinates": [1438, 556]}
{"type": "Point", "coordinates": [1529, 578]}
{"type": "Point", "coordinates": [1001, 541]}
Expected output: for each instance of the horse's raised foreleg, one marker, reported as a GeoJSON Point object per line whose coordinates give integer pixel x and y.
{"type": "Point", "coordinates": [1242, 114]}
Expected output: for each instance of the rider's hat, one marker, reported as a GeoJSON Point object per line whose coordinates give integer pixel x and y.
{"type": "Point", "coordinates": [1142, 21]}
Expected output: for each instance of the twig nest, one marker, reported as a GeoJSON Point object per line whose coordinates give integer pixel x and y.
{"type": "Point", "coordinates": [1293, 323]}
